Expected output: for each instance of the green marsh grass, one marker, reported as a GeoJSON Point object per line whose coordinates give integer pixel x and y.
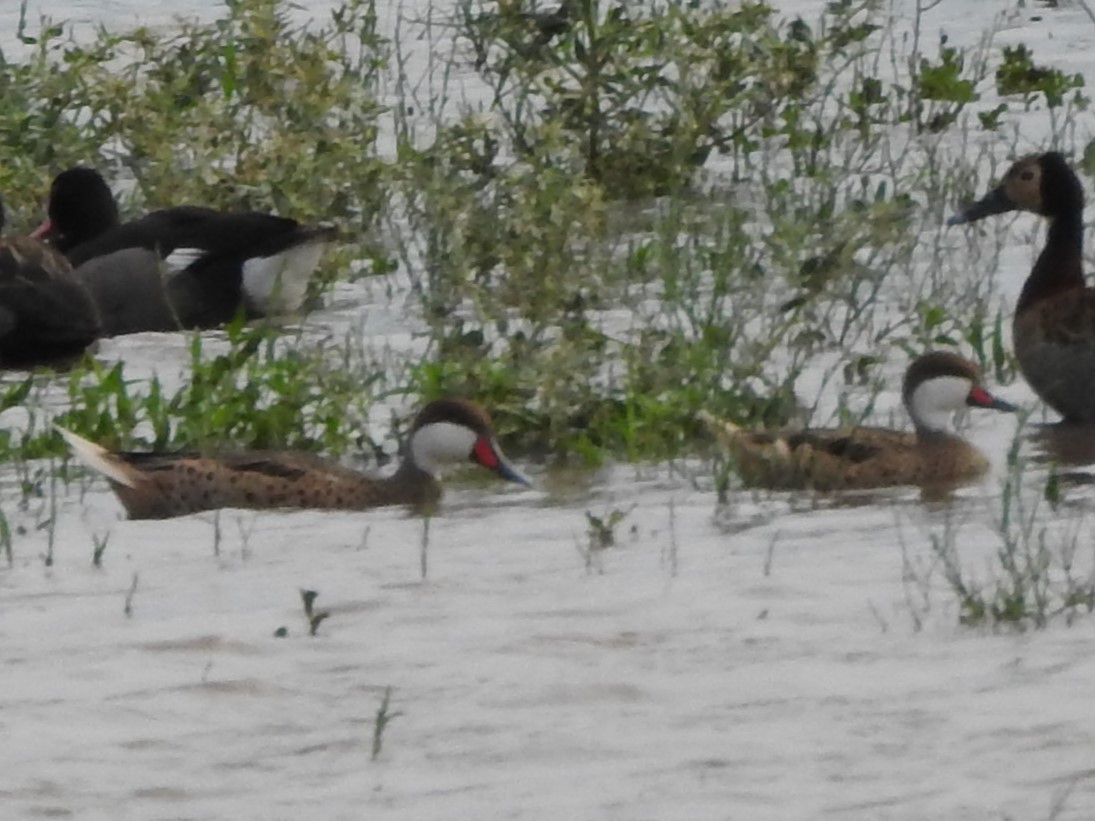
{"type": "Point", "coordinates": [1040, 569]}
{"type": "Point", "coordinates": [127, 608]}
{"type": "Point", "coordinates": [99, 544]}
{"type": "Point", "coordinates": [384, 716]}
{"type": "Point", "coordinates": [6, 540]}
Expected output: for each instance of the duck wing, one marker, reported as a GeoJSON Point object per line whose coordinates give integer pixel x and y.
{"type": "Point", "coordinates": [1065, 319]}
{"type": "Point", "coordinates": [854, 447]}
{"type": "Point", "coordinates": [825, 459]}
{"type": "Point", "coordinates": [289, 465]}
{"type": "Point", "coordinates": [1054, 341]}
{"type": "Point", "coordinates": [212, 265]}
{"type": "Point", "coordinates": [187, 233]}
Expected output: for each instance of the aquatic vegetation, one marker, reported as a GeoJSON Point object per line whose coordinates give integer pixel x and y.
{"type": "Point", "coordinates": [384, 716]}
{"type": "Point", "coordinates": [261, 392]}
{"type": "Point", "coordinates": [1038, 573]}
{"type": "Point", "coordinates": [314, 617]}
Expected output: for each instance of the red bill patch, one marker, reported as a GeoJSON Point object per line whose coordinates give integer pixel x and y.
{"type": "Point", "coordinates": [980, 396]}
{"type": "Point", "coordinates": [484, 454]}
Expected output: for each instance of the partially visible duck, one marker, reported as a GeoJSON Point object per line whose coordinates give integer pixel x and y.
{"type": "Point", "coordinates": [1053, 330]}
{"type": "Point", "coordinates": [46, 314]}
{"type": "Point", "coordinates": [181, 267]}
{"type": "Point", "coordinates": [936, 385]}
{"type": "Point", "coordinates": [162, 485]}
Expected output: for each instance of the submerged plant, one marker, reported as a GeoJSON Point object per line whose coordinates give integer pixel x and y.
{"type": "Point", "coordinates": [384, 717]}
{"type": "Point", "coordinates": [1035, 574]}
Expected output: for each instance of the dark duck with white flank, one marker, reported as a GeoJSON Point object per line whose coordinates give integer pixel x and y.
{"type": "Point", "coordinates": [46, 314]}
{"type": "Point", "coordinates": [936, 385]}
{"type": "Point", "coordinates": [180, 267]}
{"type": "Point", "coordinates": [162, 485]}
{"type": "Point", "coordinates": [1053, 330]}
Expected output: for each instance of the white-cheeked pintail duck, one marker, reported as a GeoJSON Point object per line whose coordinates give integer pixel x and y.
{"type": "Point", "coordinates": [163, 485]}
{"type": "Point", "coordinates": [1053, 330]}
{"type": "Point", "coordinates": [936, 385]}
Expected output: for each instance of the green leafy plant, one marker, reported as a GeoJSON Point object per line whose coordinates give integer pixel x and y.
{"type": "Point", "coordinates": [941, 90]}
{"type": "Point", "coordinates": [1018, 74]}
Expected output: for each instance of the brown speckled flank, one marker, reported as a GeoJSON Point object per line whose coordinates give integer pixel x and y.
{"type": "Point", "coordinates": [860, 458]}
{"type": "Point", "coordinates": [1054, 325]}
{"type": "Point", "coordinates": [162, 485]}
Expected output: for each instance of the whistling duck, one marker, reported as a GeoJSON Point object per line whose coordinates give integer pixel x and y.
{"type": "Point", "coordinates": [1053, 330]}
{"type": "Point", "coordinates": [936, 385]}
{"type": "Point", "coordinates": [162, 485]}
{"type": "Point", "coordinates": [181, 267]}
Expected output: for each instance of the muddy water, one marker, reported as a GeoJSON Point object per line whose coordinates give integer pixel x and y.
{"type": "Point", "coordinates": [783, 657]}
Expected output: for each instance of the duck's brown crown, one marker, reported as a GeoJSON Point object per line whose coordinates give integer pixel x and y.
{"type": "Point", "coordinates": [456, 411]}
{"type": "Point", "coordinates": [933, 365]}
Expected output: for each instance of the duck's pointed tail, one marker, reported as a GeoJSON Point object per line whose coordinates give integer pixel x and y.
{"type": "Point", "coordinates": [99, 458]}
{"type": "Point", "coordinates": [726, 433]}
{"type": "Point", "coordinates": [759, 457]}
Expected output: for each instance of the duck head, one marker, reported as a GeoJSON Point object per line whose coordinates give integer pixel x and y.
{"type": "Point", "coordinates": [456, 430]}
{"type": "Point", "coordinates": [81, 207]}
{"type": "Point", "coordinates": [1040, 183]}
{"type": "Point", "coordinates": [939, 383]}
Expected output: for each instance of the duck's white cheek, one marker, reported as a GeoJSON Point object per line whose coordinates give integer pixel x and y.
{"type": "Point", "coordinates": [933, 402]}
{"type": "Point", "coordinates": [441, 442]}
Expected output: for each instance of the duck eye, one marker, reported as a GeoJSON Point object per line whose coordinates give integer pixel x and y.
{"type": "Point", "coordinates": [1026, 175]}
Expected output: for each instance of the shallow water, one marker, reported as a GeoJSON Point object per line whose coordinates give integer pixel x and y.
{"type": "Point", "coordinates": [778, 658]}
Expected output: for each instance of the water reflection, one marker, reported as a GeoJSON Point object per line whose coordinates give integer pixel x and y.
{"type": "Point", "coordinates": [1064, 443]}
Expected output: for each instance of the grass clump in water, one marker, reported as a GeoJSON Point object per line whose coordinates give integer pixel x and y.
{"type": "Point", "coordinates": [1036, 574]}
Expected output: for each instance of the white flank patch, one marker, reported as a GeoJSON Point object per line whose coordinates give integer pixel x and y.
{"type": "Point", "coordinates": [441, 442]}
{"type": "Point", "coordinates": [935, 400]}
{"type": "Point", "coordinates": [180, 259]}
{"type": "Point", "coordinates": [277, 284]}
{"type": "Point", "coordinates": [96, 457]}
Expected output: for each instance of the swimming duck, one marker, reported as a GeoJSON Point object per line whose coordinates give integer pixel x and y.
{"type": "Point", "coordinates": [180, 267]}
{"type": "Point", "coordinates": [162, 485]}
{"type": "Point", "coordinates": [936, 385]}
{"type": "Point", "coordinates": [1053, 330]}
{"type": "Point", "coordinates": [46, 314]}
